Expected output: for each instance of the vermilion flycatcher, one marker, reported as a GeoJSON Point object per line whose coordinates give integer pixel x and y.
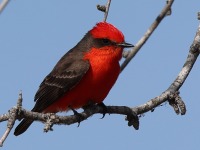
{"type": "Point", "coordinates": [84, 75]}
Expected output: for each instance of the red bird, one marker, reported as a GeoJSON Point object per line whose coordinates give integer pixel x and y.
{"type": "Point", "coordinates": [84, 75]}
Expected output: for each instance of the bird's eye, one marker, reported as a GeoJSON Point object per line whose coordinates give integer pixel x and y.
{"type": "Point", "coordinates": [105, 41]}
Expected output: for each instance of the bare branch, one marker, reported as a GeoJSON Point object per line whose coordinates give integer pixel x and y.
{"type": "Point", "coordinates": [140, 43]}
{"type": "Point", "coordinates": [177, 103]}
{"type": "Point", "coordinates": [51, 118]}
{"type": "Point", "coordinates": [4, 117]}
{"type": "Point", "coordinates": [11, 117]}
{"type": "Point", "coordinates": [10, 124]}
{"type": "Point", "coordinates": [19, 102]}
{"type": "Point", "coordinates": [105, 9]}
{"type": "Point", "coordinates": [172, 93]}
{"type": "Point", "coordinates": [101, 8]}
{"type": "Point", "coordinates": [3, 5]}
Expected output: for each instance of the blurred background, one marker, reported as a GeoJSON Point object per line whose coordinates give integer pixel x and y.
{"type": "Point", "coordinates": [35, 34]}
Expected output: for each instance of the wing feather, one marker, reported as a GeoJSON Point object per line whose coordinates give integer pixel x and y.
{"type": "Point", "coordinates": [65, 75]}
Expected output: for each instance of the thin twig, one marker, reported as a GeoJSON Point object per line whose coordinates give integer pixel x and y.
{"type": "Point", "coordinates": [5, 135]}
{"type": "Point", "coordinates": [19, 102]}
{"type": "Point", "coordinates": [12, 115]}
{"type": "Point", "coordinates": [10, 124]}
{"type": "Point", "coordinates": [178, 82]}
{"type": "Point", "coordinates": [107, 10]}
{"type": "Point", "coordinates": [4, 117]}
{"type": "Point", "coordinates": [148, 33]}
{"type": "Point", "coordinates": [3, 5]}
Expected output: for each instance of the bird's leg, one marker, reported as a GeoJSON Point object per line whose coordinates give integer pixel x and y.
{"type": "Point", "coordinates": [80, 117]}
{"type": "Point", "coordinates": [105, 110]}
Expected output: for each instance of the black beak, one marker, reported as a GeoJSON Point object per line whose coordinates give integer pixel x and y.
{"type": "Point", "coordinates": [124, 44]}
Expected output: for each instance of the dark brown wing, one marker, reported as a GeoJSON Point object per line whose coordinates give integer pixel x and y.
{"type": "Point", "coordinates": [65, 75]}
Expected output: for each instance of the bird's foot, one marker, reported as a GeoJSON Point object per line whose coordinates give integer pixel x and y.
{"type": "Point", "coordinates": [105, 109]}
{"type": "Point", "coordinates": [78, 115]}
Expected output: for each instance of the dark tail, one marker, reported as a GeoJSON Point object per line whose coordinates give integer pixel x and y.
{"type": "Point", "coordinates": [23, 126]}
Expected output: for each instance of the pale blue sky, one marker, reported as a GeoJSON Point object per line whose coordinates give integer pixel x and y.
{"type": "Point", "coordinates": [35, 34]}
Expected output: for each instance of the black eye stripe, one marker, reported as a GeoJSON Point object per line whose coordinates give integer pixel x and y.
{"type": "Point", "coordinates": [106, 41]}
{"type": "Point", "coordinates": [101, 42]}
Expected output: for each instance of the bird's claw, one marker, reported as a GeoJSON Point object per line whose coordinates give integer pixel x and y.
{"type": "Point", "coordinates": [78, 115]}
{"type": "Point", "coordinates": [105, 109]}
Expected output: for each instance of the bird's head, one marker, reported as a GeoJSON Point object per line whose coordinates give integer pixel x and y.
{"type": "Point", "coordinates": [105, 42]}
{"type": "Point", "coordinates": [109, 35]}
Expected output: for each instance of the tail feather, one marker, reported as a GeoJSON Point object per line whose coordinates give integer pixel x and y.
{"type": "Point", "coordinates": [23, 126]}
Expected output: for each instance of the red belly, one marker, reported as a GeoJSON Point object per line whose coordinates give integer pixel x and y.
{"type": "Point", "coordinates": [93, 87]}
{"type": "Point", "coordinates": [96, 83]}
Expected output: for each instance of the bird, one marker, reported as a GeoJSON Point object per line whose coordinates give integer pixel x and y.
{"type": "Point", "coordinates": [83, 76]}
